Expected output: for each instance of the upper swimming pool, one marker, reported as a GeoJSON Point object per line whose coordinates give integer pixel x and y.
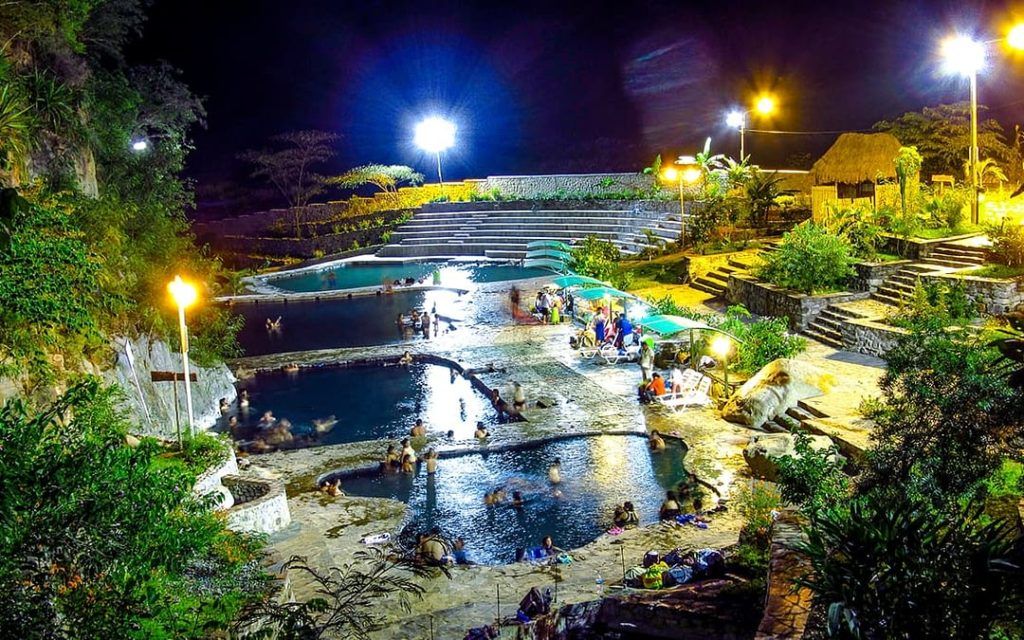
{"type": "Point", "coordinates": [368, 401]}
{"type": "Point", "coordinates": [357, 322]}
{"type": "Point", "coordinates": [598, 473]}
{"type": "Point", "coordinates": [351, 275]}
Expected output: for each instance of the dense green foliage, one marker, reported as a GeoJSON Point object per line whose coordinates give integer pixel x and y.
{"type": "Point", "coordinates": [600, 259]}
{"type": "Point", "coordinates": [386, 178]}
{"type": "Point", "coordinates": [809, 259]}
{"type": "Point", "coordinates": [77, 266]}
{"type": "Point", "coordinates": [1008, 244]}
{"type": "Point", "coordinates": [813, 479]}
{"type": "Point", "coordinates": [890, 569]}
{"type": "Point", "coordinates": [102, 540]}
{"type": "Point", "coordinates": [760, 341]}
{"type": "Point", "coordinates": [935, 305]}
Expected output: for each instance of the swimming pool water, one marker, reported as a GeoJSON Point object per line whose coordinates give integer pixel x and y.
{"type": "Point", "coordinates": [357, 322]}
{"type": "Point", "coordinates": [597, 474]}
{"type": "Point", "coordinates": [460, 275]}
{"type": "Point", "coordinates": [369, 401]}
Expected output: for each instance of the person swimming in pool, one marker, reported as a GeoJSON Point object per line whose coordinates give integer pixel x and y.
{"type": "Point", "coordinates": [555, 472]}
{"type": "Point", "coordinates": [655, 441]}
{"type": "Point", "coordinates": [517, 500]}
{"type": "Point", "coordinates": [391, 460]}
{"type": "Point", "coordinates": [480, 432]}
{"type": "Point", "coordinates": [418, 430]}
{"type": "Point", "coordinates": [406, 359]}
{"type": "Point", "coordinates": [431, 458]}
{"type": "Point", "coordinates": [243, 400]}
{"type": "Point", "coordinates": [224, 406]}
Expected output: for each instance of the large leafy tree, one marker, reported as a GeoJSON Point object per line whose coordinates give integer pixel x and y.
{"type": "Point", "coordinates": [102, 540]}
{"type": "Point", "coordinates": [386, 178]}
{"type": "Point", "coordinates": [942, 135]}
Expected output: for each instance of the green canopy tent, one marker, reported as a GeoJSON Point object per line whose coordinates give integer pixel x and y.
{"type": "Point", "coordinates": [564, 282]}
{"type": "Point", "coordinates": [669, 325]}
{"type": "Point", "coordinates": [548, 253]}
{"type": "Point", "coordinates": [545, 263]}
{"type": "Point", "coordinates": [548, 244]}
{"type": "Point", "coordinates": [603, 292]}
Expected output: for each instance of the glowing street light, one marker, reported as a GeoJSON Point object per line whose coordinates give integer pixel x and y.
{"type": "Point", "coordinates": [721, 346]}
{"type": "Point", "coordinates": [184, 295]}
{"type": "Point", "coordinates": [1015, 37]}
{"type": "Point", "coordinates": [435, 135]}
{"type": "Point", "coordinates": [688, 174]}
{"type": "Point", "coordinates": [737, 119]}
{"type": "Point", "coordinates": [965, 56]}
{"type": "Point", "coordinates": [140, 145]}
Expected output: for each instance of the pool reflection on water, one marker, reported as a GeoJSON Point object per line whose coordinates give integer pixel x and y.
{"type": "Point", "coordinates": [598, 472]}
{"type": "Point", "coordinates": [357, 322]}
{"type": "Point", "coordinates": [368, 401]}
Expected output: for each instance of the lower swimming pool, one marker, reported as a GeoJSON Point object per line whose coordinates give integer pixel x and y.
{"type": "Point", "coordinates": [368, 401]}
{"type": "Point", "coordinates": [351, 275]}
{"type": "Point", "coordinates": [598, 473]}
{"type": "Point", "coordinates": [357, 322]}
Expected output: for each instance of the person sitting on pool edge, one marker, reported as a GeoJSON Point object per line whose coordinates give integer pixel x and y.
{"type": "Point", "coordinates": [406, 359]}
{"type": "Point", "coordinates": [431, 549]}
{"type": "Point", "coordinates": [653, 389]}
{"type": "Point", "coordinates": [459, 552]}
{"type": "Point", "coordinates": [670, 507]}
{"type": "Point", "coordinates": [625, 516]}
{"type": "Point", "coordinates": [418, 430]}
{"type": "Point", "coordinates": [655, 441]}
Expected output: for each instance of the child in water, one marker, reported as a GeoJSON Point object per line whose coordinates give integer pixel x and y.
{"type": "Point", "coordinates": [555, 471]}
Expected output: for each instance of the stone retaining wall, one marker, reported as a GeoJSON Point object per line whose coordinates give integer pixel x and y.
{"type": "Point", "coordinates": [536, 185]}
{"type": "Point", "coordinates": [993, 296]}
{"type": "Point", "coordinates": [210, 481]}
{"type": "Point", "coordinates": [871, 274]}
{"type": "Point", "coordinates": [331, 243]}
{"type": "Point", "coordinates": [870, 337]}
{"type": "Point", "coordinates": [917, 248]}
{"type": "Point", "coordinates": [260, 505]}
{"type": "Point", "coordinates": [766, 299]}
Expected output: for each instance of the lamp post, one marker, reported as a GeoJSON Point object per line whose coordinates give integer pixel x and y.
{"type": "Point", "coordinates": [737, 119]}
{"type": "Point", "coordinates": [184, 295]}
{"type": "Point", "coordinates": [721, 346]}
{"type": "Point", "coordinates": [435, 135]}
{"type": "Point", "coordinates": [689, 173]}
{"type": "Point", "coordinates": [965, 56]}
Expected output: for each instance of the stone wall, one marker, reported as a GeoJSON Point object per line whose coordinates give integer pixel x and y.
{"type": "Point", "coordinates": [153, 411]}
{"type": "Point", "coordinates": [260, 505]}
{"type": "Point", "coordinates": [787, 607]}
{"type": "Point", "coordinates": [662, 206]}
{"type": "Point", "coordinates": [993, 296]}
{"type": "Point", "coordinates": [871, 274]}
{"type": "Point", "coordinates": [916, 248]}
{"type": "Point", "coordinates": [211, 480]}
{"type": "Point", "coordinates": [766, 299]}
{"type": "Point", "coordinates": [330, 243]}
{"type": "Point", "coordinates": [585, 183]}
{"type": "Point", "coordinates": [869, 336]}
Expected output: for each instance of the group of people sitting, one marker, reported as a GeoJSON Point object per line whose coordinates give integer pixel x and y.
{"type": "Point", "coordinates": [414, 321]}
{"type": "Point", "coordinates": [676, 567]}
{"type": "Point", "coordinates": [509, 412]}
{"type": "Point", "coordinates": [435, 550]}
{"type": "Point", "coordinates": [403, 458]}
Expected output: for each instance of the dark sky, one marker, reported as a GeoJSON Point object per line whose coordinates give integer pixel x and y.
{"type": "Point", "coordinates": [556, 86]}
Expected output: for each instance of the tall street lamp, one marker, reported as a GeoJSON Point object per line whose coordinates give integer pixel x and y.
{"type": "Point", "coordinates": [721, 346]}
{"type": "Point", "coordinates": [184, 295]}
{"type": "Point", "coordinates": [688, 173]}
{"type": "Point", "coordinates": [435, 135]}
{"type": "Point", "coordinates": [965, 56]}
{"type": "Point", "coordinates": [736, 119]}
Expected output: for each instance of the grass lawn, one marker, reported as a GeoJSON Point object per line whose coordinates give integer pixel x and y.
{"type": "Point", "coordinates": [997, 271]}
{"type": "Point", "coordinates": [946, 232]}
{"type": "Point", "coordinates": [666, 269]}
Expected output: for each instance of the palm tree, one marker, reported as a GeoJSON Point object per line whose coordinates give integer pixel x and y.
{"type": "Point", "coordinates": [15, 130]}
{"type": "Point", "coordinates": [763, 193]}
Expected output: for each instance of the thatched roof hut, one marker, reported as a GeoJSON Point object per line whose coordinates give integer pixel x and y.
{"type": "Point", "coordinates": [856, 158]}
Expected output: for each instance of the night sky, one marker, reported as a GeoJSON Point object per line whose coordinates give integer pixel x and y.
{"type": "Point", "coordinates": [560, 87]}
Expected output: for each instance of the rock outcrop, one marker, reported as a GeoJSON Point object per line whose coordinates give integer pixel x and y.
{"type": "Point", "coordinates": [774, 389]}
{"type": "Point", "coordinates": [764, 450]}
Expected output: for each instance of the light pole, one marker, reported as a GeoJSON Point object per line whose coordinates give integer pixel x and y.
{"type": "Point", "coordinates": [721, 346]}
{"type": "Point", "coordinates": [435, 135]}
{"type": "Point", "coordinates": [965, 56]}
{"type": "Point", "coordinates": [184, 295]}
{"type": "Point", "coordinates": [688, 174]}
{"type": "Point", "coordinates": [737, 119]}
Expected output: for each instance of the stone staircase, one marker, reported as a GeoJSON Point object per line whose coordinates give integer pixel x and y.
{"type": "Point", "coordinates": [827, 327]}
{"type": "Point", "coordinates": [716, 281]}
{"type": "Point", "coordinates": [957, 256]}
{"type": "Point", "coordinates": [794, 417]}
{"type": "Point", "coordinates": [899, 286]}
{"type": "Point", "coordinates": [503, 232]}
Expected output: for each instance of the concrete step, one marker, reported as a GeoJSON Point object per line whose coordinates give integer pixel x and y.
{"type": "Point", "coordinates": [886, 298]}
{"type": "Point", "coordinates": [825, 322]}
{"type": "Point", "coordinates": [817, 413]}
{"type": "Point", "coordinates": [908, 280]}
{"type": "Point", "coordinates": [505, 254]}
{"type": "Point", "coordinates": [799, 414]}
{"type": "Point", "coordinates": [955, 264]}
{"type": "Point", "coordinates": [719, 276]}
{"type": "Point", "coordinates": [838, 312]}
{"type": "Point", "coordinates": [701, 284]}
{"type": "Point", "coordinates": [823, 338]}
{"type": "Point", "coordinates": [981, 252]}
{"type": "Point", "coordinates": [826, 330]}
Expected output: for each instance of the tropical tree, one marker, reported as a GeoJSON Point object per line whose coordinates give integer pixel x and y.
{"type": "Point", "coordinates": [15, 129]}
{"type": "Point", "coordinates": [942, 135]}
{"type": "Point", "coordinates": [762, 190]}
{"type": "Point", "coordinates": [908, 166]}
{"type": "Point", "coordinates": [386, 178]}
{"type": "Point", "coordinates": [987, 170]}
{"type": "Point", "coordinates": [291, 167]}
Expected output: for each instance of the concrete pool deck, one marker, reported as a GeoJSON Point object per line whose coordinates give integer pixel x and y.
{"type": "Point", "coordinates": [588, 398]}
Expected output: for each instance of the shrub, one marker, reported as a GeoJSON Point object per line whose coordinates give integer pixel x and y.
{"type": "Point", "coordinates": [934, 305]}
{"type": "Point", "coordinates": [946, 209]}
{"type": "Point", "coordinates": [813, 479]}
{"type": "Point", "coordinates": [102, 540]}
{"type": "Point", "coordinates": [809, 259]}
{"type": "Point", "coordinates": [758, 503]}
{"type": "Point", "coordinates": [596, 258]}
{"type": "Point", "coordinates": [1008, 244]}
{"type": "Point", "coordinates": [895, 568]}
{"type": "Point", "coordinates": [761, 341]}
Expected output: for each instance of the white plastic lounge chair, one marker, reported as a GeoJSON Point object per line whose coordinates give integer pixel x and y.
{"type": "Point", "coordinates": [699, 397]}
{"type": "Point", "coordinates": [588, 353]}
{"type": "Point", "coordinates": [689, 381]}
{"type": "Point", "coordinates": [613, 355]}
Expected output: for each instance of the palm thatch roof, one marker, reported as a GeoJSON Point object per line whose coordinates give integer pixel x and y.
{"type": "Point", "coordinates": [856, 158]}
